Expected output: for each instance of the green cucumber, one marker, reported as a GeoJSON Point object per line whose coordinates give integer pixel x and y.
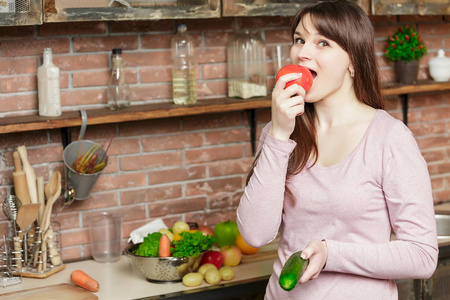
{"type": "Point", "coordinates": [292, 271]}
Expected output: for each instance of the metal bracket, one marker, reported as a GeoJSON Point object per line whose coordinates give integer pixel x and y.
{"type": "Point", "coordinates": [251, 115]}
{"type": "Point", "coordinates": [405, 108]}
{"type": "Point", "coordinates": [66, 137]}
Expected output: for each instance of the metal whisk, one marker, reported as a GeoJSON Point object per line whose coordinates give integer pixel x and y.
{"type": "Point", "coordinates": [10, 209]}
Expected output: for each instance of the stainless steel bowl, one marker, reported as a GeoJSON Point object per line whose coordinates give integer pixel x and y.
{"type": "Point", "coordinates": [443, 226]}
{"type": "Point", "coordinates": [163, 269]}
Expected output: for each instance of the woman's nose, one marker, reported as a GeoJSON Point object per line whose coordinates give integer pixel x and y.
{"type": "Point", "coordinates": [304, 53]}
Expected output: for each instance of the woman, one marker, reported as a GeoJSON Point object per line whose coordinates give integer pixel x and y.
{"type": "Point", "coordinates": [335, 174]}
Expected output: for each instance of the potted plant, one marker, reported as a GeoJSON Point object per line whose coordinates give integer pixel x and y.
{"type": "Point", "coordinates": [405, 48]}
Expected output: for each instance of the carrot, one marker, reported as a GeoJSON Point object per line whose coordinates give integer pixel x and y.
{"type": "Point", "coordinates": [85, 281]}
{"type": "Point", "coordinates": [164, 246]}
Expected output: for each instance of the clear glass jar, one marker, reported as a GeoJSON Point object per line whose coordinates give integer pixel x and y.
{"type": "Point", "coordinates": [246, 65]}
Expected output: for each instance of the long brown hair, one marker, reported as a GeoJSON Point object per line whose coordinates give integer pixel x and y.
{"type": "Point", "coordinates": [348, 25]}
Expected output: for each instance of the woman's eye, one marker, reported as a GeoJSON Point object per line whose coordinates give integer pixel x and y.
{"type": "Point", "coordinates": [299, 41]}
{"type": "Point", "coordinates": [323, 44]}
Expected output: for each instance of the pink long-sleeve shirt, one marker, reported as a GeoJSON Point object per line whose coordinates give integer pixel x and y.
{"type": "Point", "coordinates": [382, 185]}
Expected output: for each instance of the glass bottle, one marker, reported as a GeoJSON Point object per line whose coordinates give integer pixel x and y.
{"type": "Point", "coordinates": [118, 89]}
{"type": "Point", "coordinates": [184, 67]}
{"type": "Point", "coordinates": [48, 87]}
{"type": "Point", "coordinates": [246, 65]}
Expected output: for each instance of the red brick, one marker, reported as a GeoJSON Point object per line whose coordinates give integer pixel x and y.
{"type": "Point", "coordinates": [433, 43]}
{"type": "Point", "coordinates": [225, 200]}
{"type": "Point", "coordinates": [441, 168]}
{"type": "Point", "coordinates": [211, 55]}
{"type": "Point", "coordinates": [212, 88]}
{"type": "Point", "coordinates": [433, 141]}
{"type": "Point", "coordinates": [230, 167]}
{"type": "Point", "coordinates": [72, 28]}
{"type": "Point", "coordinates": [281, 36]}
{"type": "Point", "coordinates": [156, 74]}
{"type": "Point", "coordinates": [423, 129]}
{"type": "Point", "coordinates": [385, 30]}
{"type": "Point", "coordinates": [75, 237]}
{"type": "Point", "coordinates": [24, 47]}
{"type": "Point", "coordinates": [425, 100]}
{"type": "Point", "coordinates": [106, 43]}
{"type": "Point", "coordinates": [18, 84]}
{"type": "Point", "coordinates": [217, 39]}
{"type": "Point", "coordinates": [437, 183]}
{"type": "Point", "coordinates": [143, 92]}
{"type": "Point", "coordinates": [226, 136]}
{"type": "Point", "coordinates": [67, 220]}
{"type": "Point", "coordinates": [127, 213]}
{"type": "Point", "coordinates": [177, 206]}
{"type": "Point", "coordinates": [214, 71]}
{"type": "Point", "coordinates": [18, 103]}
{"type": "Point", "coordinates": [434, 155]}
{"type": "Point", "coordinates": [95, 78]}
{"type": "Point", "coordinates": [434, 29]}
{"type": "Point", "coordinates": [172, 141]}
{"type": "Point", "coordinates": [71, 253]}
{"type": "Point", "coordinates": [83, 97]}
{"type": "Point", "coordinates": [153, 58]}
{"type": "Point", "coordinates": [433, 114]}
{"type": "Point", "coordinates": [82, 62]}
{"type": "Point", "coordinates": [447, 43]}
{"type": "Point", "coordinates": [121, 181]}
{"type": "Point", "coordinates": [382, 19]}
{"type": "Point", "coordinates": [96, 200]}
{"type": "Point", "coordinates": [153, 160]}
{"type": "Point", "coordinates": [141, 26]}
{"type": "Point", "coordinates": [16, 32]}
{"type": "Point", "coordinates": [441, 196]}
{"type": "Point", "coordinates": [124, 146]}
{"type": "Point", "coordinates": [213, 154]}
{"type": "Point", "coordinates": [213, 186]}
{"type": "Point", "coordinates": [419, 18]}
{"type": "Point", "coordinates": [175, 175]}
{"type": "Point", "coordinates": [11, 66]}
{"type": "Point", "coordinates": [129, 197]}
{"type": "Point", "coordinates": [210, 121]}
{"type": "Point", "coordinates": [156, 126]}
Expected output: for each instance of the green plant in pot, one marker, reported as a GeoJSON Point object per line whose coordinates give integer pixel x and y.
{"type": "Point", "coordinates": [405, 48]}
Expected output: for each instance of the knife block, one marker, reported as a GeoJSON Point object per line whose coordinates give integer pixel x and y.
{"type": "Point", "coordinates": [36, 260]}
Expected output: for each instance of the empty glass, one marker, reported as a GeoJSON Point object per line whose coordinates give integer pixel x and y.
{"type": "Point", "coordinates": [280, 57]}
{"type": "Point", "coordinates": [106, 237]}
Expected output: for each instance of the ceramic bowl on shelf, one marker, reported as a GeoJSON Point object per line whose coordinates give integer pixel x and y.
{"type": "Point", "coordinates": [163, 269]}
{"type": "Point", "coordinates": [439, 67]}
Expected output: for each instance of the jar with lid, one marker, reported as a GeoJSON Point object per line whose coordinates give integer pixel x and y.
{"type": "Point", "coordinates": [439, 66]}
{"type": "Point", "coordinates": [246, 65]}
{"type": "Point", "coordinates": [118, 89]}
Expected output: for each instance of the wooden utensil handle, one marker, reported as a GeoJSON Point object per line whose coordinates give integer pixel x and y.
{"type": "Point", "coordinates": [29, 172]}
{"type": "Point", "coordinates": [17, 162]}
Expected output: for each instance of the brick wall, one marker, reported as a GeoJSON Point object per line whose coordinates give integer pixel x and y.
{"type": "Point", "coordinates": [190, 168]}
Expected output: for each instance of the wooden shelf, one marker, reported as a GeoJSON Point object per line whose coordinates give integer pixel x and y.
{"type": "Point", "coordinates": [422, 86]}
{"type": "Point", "coordinates": [167, 110]}
{"type": "Point", "coordinates": [132, 113]}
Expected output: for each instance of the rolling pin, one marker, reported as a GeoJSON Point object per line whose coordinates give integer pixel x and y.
{"type": "Point", "coordinates": [29, 172]}
{"type": "Point", "coordinates": [20, 180]}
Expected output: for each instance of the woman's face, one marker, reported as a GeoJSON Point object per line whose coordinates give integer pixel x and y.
{"type": "Point", "coordinates": [328, 62]}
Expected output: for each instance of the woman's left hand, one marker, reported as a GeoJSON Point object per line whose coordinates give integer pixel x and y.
{"type": "Point", "coordinates": [317, 253]}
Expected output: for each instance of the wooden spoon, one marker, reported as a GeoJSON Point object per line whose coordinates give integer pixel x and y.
{"type": "Point", "coordinates": [26, 216]}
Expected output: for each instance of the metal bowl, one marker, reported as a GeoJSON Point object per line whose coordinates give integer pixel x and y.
{"type": "Point", "coordinates": [163, 269]}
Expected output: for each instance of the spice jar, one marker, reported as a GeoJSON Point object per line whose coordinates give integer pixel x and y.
{"type": "Point", "coordinates": [246, 65]}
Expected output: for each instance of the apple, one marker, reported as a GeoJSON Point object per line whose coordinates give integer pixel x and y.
{"type": "Point", "coordinates": [232, 255]}
{"type": "Point", "coordinates": [206, 230]}
{"type": "Point", "coordinates": [212, 257]}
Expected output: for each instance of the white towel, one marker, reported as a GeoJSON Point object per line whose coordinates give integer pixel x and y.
{"type": "Point", "coordinates": [137, 235]}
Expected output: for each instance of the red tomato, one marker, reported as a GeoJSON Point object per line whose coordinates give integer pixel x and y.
{"type": "Point", "coordinates": [305, 81]}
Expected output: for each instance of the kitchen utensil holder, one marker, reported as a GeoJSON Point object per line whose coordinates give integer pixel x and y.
{"type": "Point", "coordinates": [34, 261]}
{"type": "Point", "coordinates": [8, 263]}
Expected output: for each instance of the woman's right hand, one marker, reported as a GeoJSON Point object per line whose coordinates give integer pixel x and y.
{"type": "Point", "coordinates": [287, 104]}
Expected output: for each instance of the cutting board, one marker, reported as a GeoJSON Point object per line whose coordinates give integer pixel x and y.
{"type": "Point", "coordinates": [64, 291]}
{"type": "Point", "coordinates": [268, 251]}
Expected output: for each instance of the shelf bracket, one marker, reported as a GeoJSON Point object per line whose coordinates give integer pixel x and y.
{"type": "Point", "coordinates": [66, 137]}
{"type": "Point", "coordinates": [405, 108]}
{"type": "Point", "coordinates": [251, 115]}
